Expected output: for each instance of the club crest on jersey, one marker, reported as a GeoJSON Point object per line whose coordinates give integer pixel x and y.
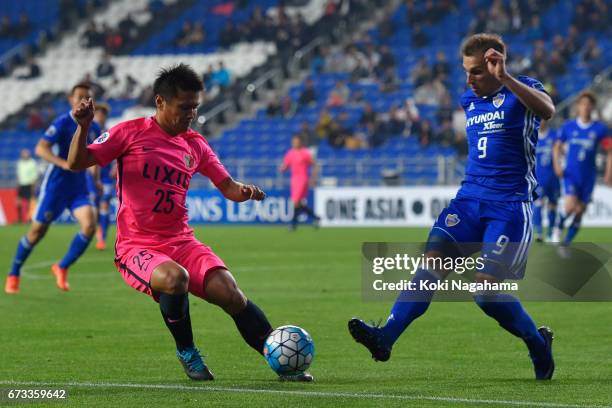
{"type": "Point", "coordinates": [498, 99]}
{"type": "Point", "coordinates": [102, 138]}
{"type": "Point", "coordinates": [188, 160]}
{"type": "Point", "coordinates": [451, 220]}
{"type": "Point", "coordinates": [471, 107]}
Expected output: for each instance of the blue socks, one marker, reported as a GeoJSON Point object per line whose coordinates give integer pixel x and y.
{"type": "Point", "coordinates": [552, 218]}
{"type": "Point", "coordinates": [510, 315]}
{"type": "Point", "coordinates": [572, 231]}
{"type": "Point", "coordinates": [537, 217]}
{"type": "Point", "coordinates": [77, 247]}
{"type": "Point", "coordinates": [504, 308]}
{"type": "Point", "coordinates": [23, 251]}
{"type": "Point", "coordinates": [103, 224]}
{"type": "Point", "coordinates": [409, 305]}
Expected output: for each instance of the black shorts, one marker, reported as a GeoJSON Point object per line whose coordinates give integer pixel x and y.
{"type": "Point", "coordinates": [24, 192]}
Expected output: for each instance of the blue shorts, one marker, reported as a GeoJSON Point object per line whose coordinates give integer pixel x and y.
{"type": "Point", "coordinates": [582, 189]}
{"type": "Point", "coordinates": [550, 189]}
{"type": "Point", "coordinates": [501, 230]}
{"type": "Point", "coordinates": [108, 191]}
{"type": "Point", "coordinates": [52, 203]}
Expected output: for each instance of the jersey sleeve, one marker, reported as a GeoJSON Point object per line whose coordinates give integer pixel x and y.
{"type": "Point", "coordinates": [210, 165]}
{"type": "Point", "coordinates": [109, 145]}
{"type": "Point", "coordinates": [533, 83]}
{"type": "Point", "coordinates": [51, 135]}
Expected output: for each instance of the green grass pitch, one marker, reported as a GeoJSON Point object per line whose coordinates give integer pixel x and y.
{"type": "Point", "coordinates": [107, 345]}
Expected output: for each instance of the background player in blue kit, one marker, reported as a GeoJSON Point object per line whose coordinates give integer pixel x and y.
{"type": "Point", "coordinates": [107, 183]}
{"type": "Point", "coordinates": [60, 189]}
{"type": "Point", "coordinates": [492, 207]}
{"type": "Point", "coordinates": [549, 189]}
{"type": "Point", "coordinates": [581, 137]}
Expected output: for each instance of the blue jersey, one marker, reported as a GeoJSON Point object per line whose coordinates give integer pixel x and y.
{"type": "Point", "coordinates": [59, 134]}
{"type": "Point", "coordinates": [105, 177]}
{"type": "Point", "coordinates": [502, 135]}
{"type": "Point", "coordinates": [545, 170]}
{"type": "Point", "coordinates": [582, 141]}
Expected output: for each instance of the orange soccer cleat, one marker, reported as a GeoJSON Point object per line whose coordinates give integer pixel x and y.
{"type": "Point", "coordinates": [61, 277]}
{"type": "Point", "coordinates": [12, 284]}
{"type": "Point", "coordinates": [100, 245]}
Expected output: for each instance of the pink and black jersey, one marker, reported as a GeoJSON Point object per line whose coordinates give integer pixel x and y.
{"type": "Point", "coordinates": [153, 174]}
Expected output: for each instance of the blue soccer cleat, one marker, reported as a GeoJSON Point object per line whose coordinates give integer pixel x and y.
{"type": "Point", "coordinates": [371, 337]}
{"type": "Point", "coordinates": [544, 365]}
{"type": "Point", "coordinates": [193, 364]}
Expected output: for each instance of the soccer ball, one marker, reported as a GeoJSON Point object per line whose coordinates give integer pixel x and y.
{"type": "Point", "coordinates": [289, 350]}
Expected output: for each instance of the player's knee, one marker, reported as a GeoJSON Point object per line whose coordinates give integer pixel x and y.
{"type": "Point", "coordinates": [570, 206]}
{"type": "Point", "coordinates": [174, 279]}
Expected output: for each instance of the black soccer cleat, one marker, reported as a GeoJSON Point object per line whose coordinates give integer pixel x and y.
{"type": "Point", "coordinates": [544, 366]}
{"type": "Point", "coordinates": [301, 377]}
{"type": "Point", "coordinates": [193, 364]}
{"type": "Point", "coordinates": [371, 337]}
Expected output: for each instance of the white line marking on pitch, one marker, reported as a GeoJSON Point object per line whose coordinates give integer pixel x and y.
{"type": "Point", "coordinates": [302, 393]}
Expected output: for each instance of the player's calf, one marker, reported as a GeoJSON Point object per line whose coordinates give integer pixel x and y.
{"type": "Point", "coordinates": [221, 289]}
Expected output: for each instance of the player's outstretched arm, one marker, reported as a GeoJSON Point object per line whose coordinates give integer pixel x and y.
{"type": "Point", "coordinates": [238, 192]}
{"type": "Point", "coordinates": [79, 157]}
{"type": "Point", "coordinates": [43, 150]}
{"type": "Point", "coordinates": [536, 101]}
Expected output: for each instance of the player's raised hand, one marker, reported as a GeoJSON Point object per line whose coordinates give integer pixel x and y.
{"type": "Point", "coordinates": [496, 64]}
{"type": "Point", "coordinates": [84, 112]}
{"type": "Point", "coordinates": [252, 192]}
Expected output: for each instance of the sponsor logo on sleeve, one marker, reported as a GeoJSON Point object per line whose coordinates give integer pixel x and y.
{"type": "Point", "coordinates": [102, 138]}
{"type": "Point", "coordinates": [51, 131]}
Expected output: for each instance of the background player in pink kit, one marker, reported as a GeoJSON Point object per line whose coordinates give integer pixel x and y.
{"type": "Point", "coordinates": [299, 161]}
{"type": "Point", "coordinates": [156, 251]}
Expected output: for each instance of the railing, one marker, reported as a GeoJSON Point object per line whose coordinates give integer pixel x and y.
{"type": "Point", "coordinates": [360, 172]}
{"type": "Point", "coordinates": [268, 79]}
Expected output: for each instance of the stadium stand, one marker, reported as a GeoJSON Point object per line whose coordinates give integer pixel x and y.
{"type": "Point", "coordinates": [404, 63]}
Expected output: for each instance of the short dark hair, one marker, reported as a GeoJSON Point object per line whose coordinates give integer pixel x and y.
{"type": "Point", "coordinates": [80, 85]}
{"type": "Point", "coordinates": [180, 76]}
{"type": "Point", "coordinates": [589, 95]}
{"type": "Point", "coordinates": [481, 43]}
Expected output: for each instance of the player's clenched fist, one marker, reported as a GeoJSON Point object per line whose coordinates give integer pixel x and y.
{"type": "Point", "coordinates": [252, 192]}
{"type": "Point", "coordinates": [496, 63]}
{"type": "Point", "coordinates": [84, 112]}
